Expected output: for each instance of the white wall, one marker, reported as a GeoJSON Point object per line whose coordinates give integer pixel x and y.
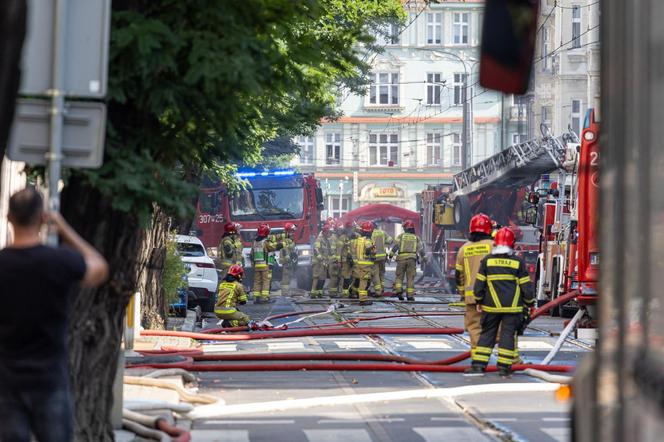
{"type": "Point", "coordinates": [11, 180]}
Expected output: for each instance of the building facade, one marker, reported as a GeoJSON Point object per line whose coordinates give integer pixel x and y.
{"type": "Point", "coordinates": [407, 130]}
{"type": "Point", "coordinates": [566, 70]}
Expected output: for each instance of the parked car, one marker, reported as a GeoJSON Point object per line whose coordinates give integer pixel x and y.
{"type": "Point", "coordinates": [202, 277]}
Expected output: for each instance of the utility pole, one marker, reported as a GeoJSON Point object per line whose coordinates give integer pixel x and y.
{"type": "Point", "coordinates": [57, 108]}
{"type": "Point", "coordinates": [465, 154]}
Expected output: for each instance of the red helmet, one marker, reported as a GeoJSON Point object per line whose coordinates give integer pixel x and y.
{"type": "Point", "coordinates": [504, 237]}
{"type": "Point", "coordinates": [236, 270]}
{"type": "Point", "coordinates": [230, 227]}
{"type": "Point", "coordinates": [367, 227]}
{"type": "Point", "coordinates": [408, 224]}
{"type": "Point", "coordinates": [480, 223]}
{"type": "Point", "coordinates": [290, 227]}
{"type": "Point", "coordinates": [348, 224]}
{"type": "Point", "coordinates": [263, 230]}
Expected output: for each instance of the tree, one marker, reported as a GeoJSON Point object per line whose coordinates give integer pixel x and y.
{"type": "Point", "coordinates": [194, 86]}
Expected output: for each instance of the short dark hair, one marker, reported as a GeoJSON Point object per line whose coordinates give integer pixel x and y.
{"type": "Point", "coordinates": [26, 207]}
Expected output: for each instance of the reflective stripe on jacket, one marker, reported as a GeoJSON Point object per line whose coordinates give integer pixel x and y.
{"type": "Point", "coordinates": [230, 294]}
{"type": "Point", "coordinates": [503, 284]}
{"type": "Point", "coordinates": [408, 246]}
{"type": "Point", "coordinates": [380, 240]}
{"type": "Point", "coordinates": [468, 261]}
{"type": "Point", "coordinates": [362, 251]}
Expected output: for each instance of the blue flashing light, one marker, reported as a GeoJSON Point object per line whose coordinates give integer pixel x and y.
{"type": "Point", "coordinates": [288, 172]}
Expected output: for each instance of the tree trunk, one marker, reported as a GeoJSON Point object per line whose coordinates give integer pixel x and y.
{"type": "Point", "coordinates": [136, 257]}
{"type": "Point", "coordinates": [12, 33]}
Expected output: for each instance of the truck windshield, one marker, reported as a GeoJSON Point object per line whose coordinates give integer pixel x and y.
{"type": "Point", "coordinates": [267, 204]}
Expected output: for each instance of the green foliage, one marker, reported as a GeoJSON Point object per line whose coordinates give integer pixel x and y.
{"type": "Point", "coordinates": [173, 276]}
{"type": "Point", "coordinates": [195, 86]}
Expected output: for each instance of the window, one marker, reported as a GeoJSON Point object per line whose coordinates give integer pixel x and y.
{"type": "Point", "coordinates": [576, 27]}
{"type": "Point", "coordinates": [434, 88]}
{"type": "Point", "coordinates": [576, 116]}
{"type": "Point", "coordinates": [333, 148]}
{"type": "Point", "coordinates": [546, 114]}
{"type": "Point", "coordinates": [459, 94]}
{"type": "Point", "coordinates": [434, 28]}
{"type": "Point", "coordinates": [434, 149]}
{"type": "Point", "coordinates": [546, 65]}
{"type": "Point", "coordinates": [383, 149]}
{"type": "Point", "coordinates": [384, 88]}
{"type": "Point", "coordinates": [334, 210]}
{"type": "Point", "coordinates": [306, 149]}
{"type": "Point", "coordinates": [456, 149]}
{"type": "Point", "coordinates": [460, 23]}
{"type": "Point", "coordinates": [518, 138]}
{"type": "Point", "coordinates": [389, 35]}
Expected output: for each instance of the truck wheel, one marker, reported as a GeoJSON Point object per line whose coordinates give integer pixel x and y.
{"type": "Point", "coordinates": [461, 213]}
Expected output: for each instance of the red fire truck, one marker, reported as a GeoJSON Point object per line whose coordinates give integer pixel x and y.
{"type": "Point", "coordinates": [498, 187]}
{"type": "Point", "coordinates": [274, 197]}
{"type": "Point", "coordinates": [569, 259]}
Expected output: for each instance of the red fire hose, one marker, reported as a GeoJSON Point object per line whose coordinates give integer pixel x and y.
{"type": "Point", "coordinates": [348, 367]}
{"type": "Point", "coordinates": [305, 333]}
{"type": "Point", "coordinates": [551, 304]}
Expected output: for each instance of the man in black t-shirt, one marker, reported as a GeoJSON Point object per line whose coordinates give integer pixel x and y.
{"type": "Point", "coordinates": [35, 281]}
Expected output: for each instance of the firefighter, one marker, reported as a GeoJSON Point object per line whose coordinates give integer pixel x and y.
{"type": "Point", "coordinates": [287, 258]}
{"type": "Point", "coordinates": [502, 291]}
{"type": "Point", "coordinates": [231, 293]}
{"type": "Point", "coordinates": [230, 248]}
{"type": "Point", "coordinates": [320, 261]}
{"type": "Point", "coordinates": [409, 249]}
{"type": "Point", "coordinates": [381, 241]}
{"type": "Point", "coordinates": [362, 253]}
{"type": "Point", "coordinates": [346, 263]}
{"type": "Point", "coordinates": [336, 251]}
{"type": "Point", "coordinates": [467, 264]}
{"type": "Point", "coordinates": [261, 249]}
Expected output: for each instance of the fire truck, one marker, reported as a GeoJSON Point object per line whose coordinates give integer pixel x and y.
{"type": "Point", "coordinates": [275, 197]}
{"type": "Point", "coordinates": [499, 187]}
{"type": "Point", "coordinates": [567, 217]}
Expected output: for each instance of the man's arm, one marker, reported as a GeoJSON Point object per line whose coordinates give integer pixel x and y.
{"type": "Point", "coordinates": [96, 267]}
{"type": "Point", "coordinates": [525, 284]}
{"type": "Point", "coordinates": [480, 283]}
{"type": "Point", "coordinates": [459, 274]}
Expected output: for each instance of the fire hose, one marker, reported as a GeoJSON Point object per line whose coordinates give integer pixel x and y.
{"type": "Point", "coordinates": [154, 427]}
{"type": "Point", "coordinates": [307, 333]}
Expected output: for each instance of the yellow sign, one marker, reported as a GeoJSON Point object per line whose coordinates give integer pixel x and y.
{"type": "Point", "coordinates": [385, 192]}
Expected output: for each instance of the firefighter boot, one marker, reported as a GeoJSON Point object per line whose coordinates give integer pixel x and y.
{"type": "Point", "coordinates": [366, 302]}
{"type": "Point", "coordinates": [504, 372]}
{"type": "Point", "coordinates": [475, 370]}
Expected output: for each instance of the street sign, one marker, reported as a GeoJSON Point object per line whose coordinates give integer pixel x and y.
{"type": "Point", "coordinates": [83, 133]}
{"type": "Point", "coordinates": [86, 41]}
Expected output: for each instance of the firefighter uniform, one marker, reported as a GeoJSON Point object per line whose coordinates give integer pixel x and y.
{"type": "Point", "coordinates": [230, 250]}
{"type": "Point", "coordinates": [503, 288]}
{"type": "Point", "coordinates": [468, 261]}
{"type": "Point", "coordinates": [230, 294]}
{"type": "Point", "coordinates": [346, 268]}
{"type": "Point", "coordinates": [362, 251]}
{"type": "Point", "coordinates": [381, 240]}
{"type": "Point", "coordinates": [288, 262]}
{"type": "Point", "coordinates": [336, 249]}
{"type": "Point", "coordinates": [408, 246]}
{"type": "Point", "coordinates": [262, 256]}
{"type": "Point", "coordinates": [320, 262]}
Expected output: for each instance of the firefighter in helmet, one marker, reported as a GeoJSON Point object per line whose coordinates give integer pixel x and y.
{"type": "Point", "coordinates": [321, 260]}
{"type": "Point", "coordinates": [346, 263]}
{"type": "Point", "coordinates": [502, 291]}
{"type": "Point", "coordinates": [409, 249]}
{"type": "Point", "coordinates": [231, 293]}
{"type": "Point", "coordinates": [336, 251]}
{"type": "Point", "coordinates": [261, 250]}
{"type": "Point", "coordinates": [381, 241]}
{"type": "Point", "coordinates": [468, 261]}
{"type": "Point", "coordinates": [287, 258]}
{"type": "Point", "coordinates": [230, 248]}
{"type": "Point", "coordinates": [362, 253]}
